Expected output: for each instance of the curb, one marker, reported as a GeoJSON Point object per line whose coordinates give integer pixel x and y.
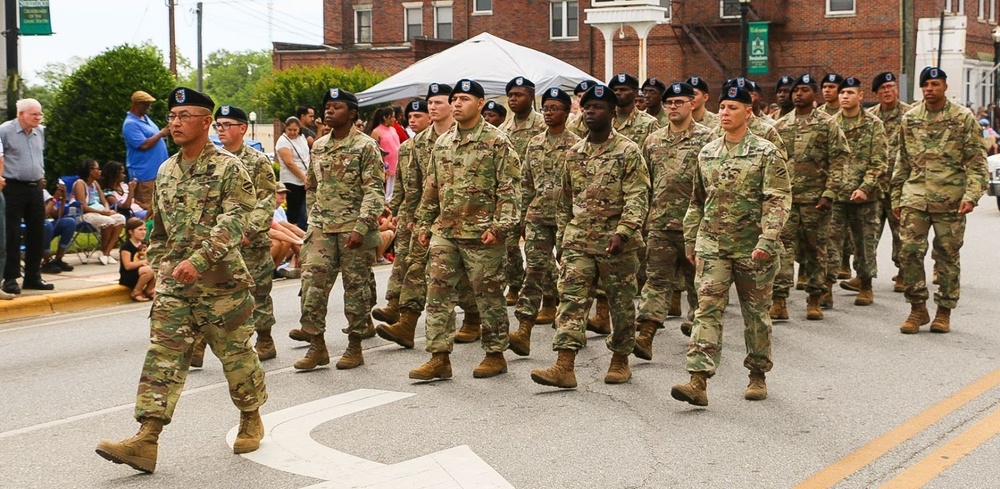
{"type": "Point", "coordinates": [75, 300]}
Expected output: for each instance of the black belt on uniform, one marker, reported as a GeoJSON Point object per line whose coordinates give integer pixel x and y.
{"type": "Point", "coordinates": [25, 183]}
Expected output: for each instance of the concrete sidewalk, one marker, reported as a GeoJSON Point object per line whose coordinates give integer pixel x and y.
{"type": "Point", "coordinates": [88, 286]}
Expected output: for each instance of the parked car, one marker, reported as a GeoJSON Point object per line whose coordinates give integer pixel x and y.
{"type": "Point", "coordinates": [993, 166]}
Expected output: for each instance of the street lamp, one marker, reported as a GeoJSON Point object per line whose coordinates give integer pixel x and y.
{"type": "Point", "coordinates": [996, 77]}
{"type": "Point", "coordinates": [253, 126]}
{"type": "Point", "coordinates": [744, 28]}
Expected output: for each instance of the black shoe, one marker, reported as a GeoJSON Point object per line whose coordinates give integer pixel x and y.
{"type": "Point", "coordinates": [10, 286]}
{"type": "Point", "coordinates": [38, 285]}
{"type": "Point", "coordinates": [51, 267]}
{"type": "Point", "coordinates": [66, 267]}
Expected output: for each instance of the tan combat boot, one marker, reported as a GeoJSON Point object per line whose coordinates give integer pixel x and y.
{"type": "Point", "coordinates": [675, 304]}
{"type": "Point", "coordinates": [494, 364]}
{"type": "Point", "coordinates": [865, 296]}
{"type": "Point", "coordinates": [779, 310]}
{"type": "Point", "coordinates": [559, 375]}
{"type": "Point", "coordinates": [942, 320]}
{"type": "Point", "coordinates": [618, 372]}
{"type": "Point", "coordinates": [757, 389]}
{"type": "Point", "coordinates": [438, 367]}
{"type": "Point", "coordinates": [198, 352]}
{"type": "Point", "coordinates": [687, 327]}
{"type": "Point", "coordinates": [826, 300]}
{"type": "Point", "coordinates": [471, 330]}
{"type": "Point", "coordinates": [918, 317]}
{"type": "Point", "coordinates": [813, 310]}
{"type": "Point", "coordinates": [316, 356]}
{"type": "Point", "coordinates": [519, 341]}
{"type": "Point", "coordinates": [265, 346]}
{"type": "Point", "coordinates": [844, 273]}
{"type": "Point", "coordinates": [600, 322]}
{"type": "Point", "coordinates": [694, 392]}
{"type": "Point", "coordinates": [853, 284]}
{"type": "Point", "coordinates": [138, 452]}
{"type": "Point", "coordinates": [800, 283]}
{"type": "Point", "coordinates": [547, 314]}
{"type": "Point", "coordinates": [388, 314]}
{"type": "Point", "coordinates": [353, 356]}
{"type": "Point", "coordinates": [512, 295]}
{"type": "Point", "coordinates": [898, 284]}
{"type": "Point", "coordinates": [402, 331]}
{"type": "Point", "coordinates": [251, 432]}
{"type": "Point", "coordinates": [298, 335]}
{"type": "Point", "coordinates": [644, 340]}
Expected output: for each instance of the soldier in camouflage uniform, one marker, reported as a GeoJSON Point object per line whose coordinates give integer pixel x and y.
{"type": "Point", "coordinates": [855, 208]}
{"type": "Point", "coordinates": [541, 174]}
{"type": "Point", "coordinates": [602, 207]}
{"type": "Point", "coordinates": [671, 154]}
{"type": "Point", "coordinates": [575, 123]}
{"type": "Point", "coordinates": [203, 286]}
{"type": "Point", "coordinates": [830, 88]}
{"type": "Point", "coordinates": [741, 198]}
{"type": "Point", "coordinates": [345, 197]}
{"type": "Point", "coordinates": [701, 114]}
{"type": "Point", "coordinates": [652, 91]}
{"type": "Point", "coordinates": [471, 202]}
{"type": "Point", "coordinates": [939, 177]}
{"type": "Point", "coordinates": [495, 113]}
{"type": "Point", "coordinates": [783, 94]}
{"type": "Point", "coordinates": [817, 151]}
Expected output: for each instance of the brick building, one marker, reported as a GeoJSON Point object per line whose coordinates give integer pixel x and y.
{"type": "Point", "coordinates": [694, 37]}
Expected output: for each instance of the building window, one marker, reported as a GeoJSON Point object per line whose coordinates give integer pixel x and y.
{"type": "Point", "coordinates": [363, 26]}
{"type": "Point", "coordinates": [442, 22]}
{"type": "Point", "coordinates": [993, 11]}
{"type": "Point", "coordinates": [565, 20]}
{"type": "Point", "coordinates": [414, 18]}
{"type": "Point", "coordinates": [729, 9]}
{"type": "Point", "coordinates": [840, 7]}
{"type": "Point", "coordinates": [482, 6]}
{"type": "Point", "coordinates": [982, 10]}
{"type": "Point", "coordinates": [666, 4]}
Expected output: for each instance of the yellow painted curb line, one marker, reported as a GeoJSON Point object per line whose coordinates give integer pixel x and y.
{"type": "Point", "coordinates": [76, 300]}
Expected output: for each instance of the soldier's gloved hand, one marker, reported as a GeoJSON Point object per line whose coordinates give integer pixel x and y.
{"type": "Point", "coordinates": [354, 240]}
{"type": "Point", "coordinates": [616, 244]}
{"type": "Point", "coordinates": [965, 208]}
{"type": "Point", "coordinates": [824, 204]}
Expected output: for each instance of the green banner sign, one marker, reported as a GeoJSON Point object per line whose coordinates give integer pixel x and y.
{"type": "Point", "coordinates": [35, 18]}
{"type": "Point", "coordinates": [759, 48]}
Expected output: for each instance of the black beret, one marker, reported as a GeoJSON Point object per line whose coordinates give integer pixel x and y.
{"type": "Point", "coordinates": [654, 83]}
{"type": "Point", "coordinates": [932, 73]}
{"type": "Point", "coordinates": [679, 89]}
{"type": "Point", "coordinates": [520, 82]}
{"type": "Point", "coordinates": [416, 106]}
{"type": "Point", "coordinates": [849, 82]}
{"type": "Point", "coordinates": [470, 87]}
{"type": "Point", "coordinates": [624, 79]}
{"type": "Point", "coordinates": [785, 81]}
{"type": "Point", "coordinates": [832, 78]}
{"type": "Point", "coordinates": [737, 94]}
{"type": "Point", "coordinates": [230, 112]}
{"type": "Point", "coordinates": [881, 78]}
{"type": "Point", "coordinates": [182, 96]}
{"type": "Point", "coordinates": [435, 89]}
{"type": "Point", "coordinates": [557, 94]}
{"type": "Point", "coordinates": [698, 82]}
{"type": "Point", "coordinates": [494, 106]}
{"type": "Point", "coordinates": [738, 82]}
{"type": "Point", "coordinates": [600, 92]}
{"type": "Point", "coordinates": [583, 87]}
{"type": "Point", "coordinates": [805, 79]}
{"type": "Point", "coordinates": [338, 95]}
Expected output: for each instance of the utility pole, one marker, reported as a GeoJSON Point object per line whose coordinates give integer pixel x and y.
{"type": "Point", "coordinates": [200, 72]}
{"type": "Point", "coordinates": [173, 41]}
{"type": "Point", "coordinates": [13, 78]}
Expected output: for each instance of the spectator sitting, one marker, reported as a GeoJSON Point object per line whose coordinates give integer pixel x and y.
{"type": "Point", "coordinates": [56, 223]}
{"type": "Point", "coordinates": [95, 209]}
{"type": "Point", "coordinates": [134, 270]}
{"type": "Point", "coordinates": [119, 193]}
{"type": "Point", "coordinates": [387, 230]}
{"type": "Point", "coordinates": [286, 239]}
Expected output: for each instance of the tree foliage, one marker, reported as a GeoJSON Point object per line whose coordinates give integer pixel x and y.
{"type": "Point", "coordinates": [51, 77]}
{"type": "Point", "coordinates": [230, 76]}
{"type": "Point", "coordinates": [279, 94]}
{"type": "Point", "coordinates": [86, 118]}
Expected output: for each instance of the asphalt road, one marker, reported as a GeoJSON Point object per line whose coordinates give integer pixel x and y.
{"type": "Point", "coordinates": [851, 402]}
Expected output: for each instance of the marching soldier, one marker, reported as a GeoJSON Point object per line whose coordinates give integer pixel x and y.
{"type": "Point", "coordinates": [495, 113]}
{"type": "Point", "coordinates": [701, 114]}
{"type": "Point", "coordinates": [575, 123]}
{"type": "Point", "coordinates": [652, 91]}
{"type": "Point", "coordinates": [783, 93]}
{"type": "Point", "coordinates": [830, 88]}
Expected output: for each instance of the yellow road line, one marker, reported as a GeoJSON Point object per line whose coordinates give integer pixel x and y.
{"type": "Point", "coordinates": [878, 447]}
{"type": "Point", "coordinates": [933, 465]}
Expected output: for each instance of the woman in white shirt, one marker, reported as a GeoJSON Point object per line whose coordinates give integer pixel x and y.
{"type": "Point", "coordinates": [293, 156]}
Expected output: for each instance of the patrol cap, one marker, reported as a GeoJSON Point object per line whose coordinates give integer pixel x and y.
{"type": "Point", "coordinates": [555, 93]}
{"type": "Point", "coordinates": [230, 112]}
{"type": "Point", "coordinates": [338, 95]}
{"type": "Point", "coordinates": [736, 94]}
{"type": "Point", "coordinates": [415, 106]}
{"type": "Point", "coordinates": [932, 73]}
{"type": "Point", "coordinates": [882, 78]}
{"type": "Point", "coordinates": [583, 87]}
{"type": "Point", "coordinates": [470, 87]}
{"type": "Point", "coordinates": [832, 78]}
{"type": "Point", "coordinates": [182, 96]}
{"type": "Point", "coordinates": [140, 96]}
{"type": "Point", "coordinates": [600, 92]}
{"type": "Point", "coordinates": [654, 82]}
{"type": "Point", "coordinates": [849, 82]}
{"type": "Point", "coordinates": [520, 82]}
{"type": "Point", "coordinates": [494, 106]}
{"type": "Point", "coordinates": [435, 89]}
{"type": "Point", "coordinates": [698, 82]}
{"type": "Point", "coordinates": [784, 81]}
{"type": "Point", "coordinates": [624, 79]}
{"type": "Point", "coordinates": [805, 79]}
{"type": "Point", "coordinates": [679, 89]}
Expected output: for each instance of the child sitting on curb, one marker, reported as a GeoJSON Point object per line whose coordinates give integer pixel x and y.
{"type": "Point", "coordinates": [134, 269]}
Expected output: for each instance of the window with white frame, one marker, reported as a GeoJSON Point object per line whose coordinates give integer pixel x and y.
{"type": "Point", "coordinates": [565, 20]}
{"type": "Point", "coordinates": [982, 10]}
{"type": "Point", "coordinates": [443, 21]}
{"type": "Point", "coordinates": [363, 26]}
{"type": "Point", "coordinates": [482, 6]}
{"type": "Point", "coordinates": [729, 9]}
{"type": "Point", "coordinates": [666, 4]}
{"type": "Point", "coordinates": [414, 20]}
{"type": "Point", "coordinates": [840, 7]}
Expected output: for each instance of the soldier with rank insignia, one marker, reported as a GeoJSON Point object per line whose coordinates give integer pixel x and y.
{"type": "Point", "coordinates": [701, 113]}
{"type": "Point", "coordinates": [495, 113]}
{"type": "Point", "coordinates": [199, 210]}
{"type": "Point", "coordinates": [652, 91]}
{"type": "Point", "coordinates": [939, 177]}
{"type": "Point", "coordinates": [470, 203]}
{"type": "Point", "coordinates": [345, 196]}
{"type": "Point", "coordinates": [830, 89]}
{"type": "Point", "coordinates": [575, 123]}
{"type": "Point", "coordinates": [602, 207]}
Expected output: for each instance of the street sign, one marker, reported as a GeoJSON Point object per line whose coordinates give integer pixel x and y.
{"type": "Point", "coordinates": [759, 48]}
{"type": "Point", "coordinates": [35, 18]}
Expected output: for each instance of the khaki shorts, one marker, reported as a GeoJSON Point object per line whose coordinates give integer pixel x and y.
{"type": "Point", "coordinates": [144, 192]}
{"type": "Point", "coordinates": [100, 221]}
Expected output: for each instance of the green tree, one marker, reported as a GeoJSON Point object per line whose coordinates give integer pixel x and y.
{"type": "Point", "coordinates": [280, 93]}
{"type": "Point", "coordinates": [51, 77]}
{"type": "Point", "coordinates": [86, 118]}
{"type": "Point", "coordinates": [230, 76]}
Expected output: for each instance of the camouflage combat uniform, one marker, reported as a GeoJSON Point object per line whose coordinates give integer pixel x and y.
{"type": "Point", "coordinates": [473, 185]}
{"type": "Point", "coordinates": [344, 192]}
{"type": "Point", "coordinates": [890, 119]}
{"type": "Point", "coordinates": [662, 119]}
{"type": "Point", "coordinates": [401, 242]}
{"type": "Point", "coordinates": [741, 199]}
{"type": "Point", "coordinates": [817, 152]}
{"type": "Point", "coordinates": [830, 111]}
{"type": "Point", "coordinates": [709, 119]}
{"type": "Point", "coordinates": [605, 191]}
{"type": "Point", "coordinates": [199, 214]}
{"type": "Point", "coordinates": [520, 132]}
{"type": "Point", "coordinates": [636, 127]}
{"type": "Point", "coordinates": [257, 254]}
{"type": "Point", "coordinates": [941, 163]}
{"type": "Point", "coordinates": [576, 125]}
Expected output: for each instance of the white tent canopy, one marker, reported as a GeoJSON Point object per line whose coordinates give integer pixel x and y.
{"type": "Point", "coordinates": [486, 59]}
